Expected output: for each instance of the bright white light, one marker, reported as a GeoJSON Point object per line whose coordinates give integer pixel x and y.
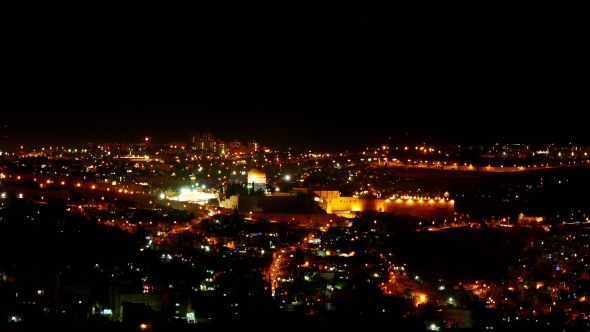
{"type": "Point", "coordinates": [287, 177]}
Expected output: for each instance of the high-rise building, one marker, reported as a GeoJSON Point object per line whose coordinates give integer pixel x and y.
{"type": "Point", "coordinates": [194, 137]}
{"type": "Point", "coordinates": [206, 136]}
{"type": "Point", "coordinates": [253, 146]}
{"type": "Point", "coordinates": [221, 147]}
{"type": "Point", "coordinates": [235, 147]}
{"type": "Point", "coordinates": [125, 146]}
{"type": "Point", "coordinates": [205, 145]}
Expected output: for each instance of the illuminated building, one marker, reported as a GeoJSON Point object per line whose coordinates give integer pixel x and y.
{"type": "Point", "coordinates": [207, 136]}
{"type": "Point", "coordinates": [253, 146]}
{"type": "Point", "coordinates": [189, 195]}
{"type": "Point", "coordinates": [256, 179]}
{"type": "Point", "coordinates": [194, 137]}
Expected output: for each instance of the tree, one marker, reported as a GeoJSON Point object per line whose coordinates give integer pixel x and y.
{"type": "Point", "coordinates": [236, 217]}
{"type": "Point", "coordinates": [270, 188]}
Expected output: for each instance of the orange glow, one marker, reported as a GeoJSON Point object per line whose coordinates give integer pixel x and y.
{"type": "Point", "coordinates": [420, 299]}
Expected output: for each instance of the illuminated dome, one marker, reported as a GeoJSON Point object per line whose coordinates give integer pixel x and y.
{"type": "Point", "coordinates": [256, 176]}
{"type": "Point", "coordinates": [256, 173]}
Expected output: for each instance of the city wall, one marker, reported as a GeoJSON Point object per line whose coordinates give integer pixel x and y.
{"type": "Point", "coordinates": [300, 218]}
{"type": "Point", "coordinates": [430, 209]}
{"type": "Point", "coordinates": [346, 207]}
{"type": "Point", "coordinates": [269, 204]}
{"type": "Point", "coordinates": [145, 200]}
{"type": "Point", "coordinates": [96, 195]}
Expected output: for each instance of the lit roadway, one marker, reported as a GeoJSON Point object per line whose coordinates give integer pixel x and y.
{"type": "Point", "coordinates": [397, 285]}
{"type": "Point", "coordinates": [274, 269]}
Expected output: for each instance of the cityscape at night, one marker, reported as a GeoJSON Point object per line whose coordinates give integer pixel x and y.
{"type": "Point", "coordinates": [365, 168]}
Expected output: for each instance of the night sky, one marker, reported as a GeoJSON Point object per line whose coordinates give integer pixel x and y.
{"type": "Point", "coordinates": [314, 78]}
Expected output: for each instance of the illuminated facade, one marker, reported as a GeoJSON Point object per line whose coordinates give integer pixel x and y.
{"type": "Point", "coordinates": [189, 195]}
{"type": "Point", "coordinates": [194, 137]}
{"type": "Point", "coordinates": [436, 209]}
{"type": "Point", "coordinates": [256, 176]}
{"type": "Point", "coordinates": [256, 179]}
{"type": "Point", "coordinates": [253, 146]}
{"type": "Point", "coordinates": [431, 209]}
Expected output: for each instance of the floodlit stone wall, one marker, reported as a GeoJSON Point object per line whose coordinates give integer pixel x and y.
{"type": "Point", "coordinates": [431, 209]}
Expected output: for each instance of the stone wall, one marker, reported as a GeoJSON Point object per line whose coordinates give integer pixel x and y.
{"type": "Point", "coordinates": [299, 218]}
{"type": "Point", "coordinates": [430, 209]}
{"type": "Point", "coordinates": [347, 207]}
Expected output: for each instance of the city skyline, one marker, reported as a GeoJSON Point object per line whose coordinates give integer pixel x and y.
{"type": "Point", "coordinates": [291, 167]}
{"type": "Point", "coordinates": [338, 134]}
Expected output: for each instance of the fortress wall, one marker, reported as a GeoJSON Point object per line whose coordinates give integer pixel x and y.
{"type": "Point", "coordinates": [303, 219]}
{"type": "Point", "coordinates": [285, 204]}
{"type": "Point", "coordinates": [229, 203]}
{"type": "Point", "coordinates": [345, 206]}
{"type": "Point", "coordinates": [427, 209]}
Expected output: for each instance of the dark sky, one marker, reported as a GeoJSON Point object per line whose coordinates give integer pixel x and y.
{"type": "Point", "coordinates": [315, 78]}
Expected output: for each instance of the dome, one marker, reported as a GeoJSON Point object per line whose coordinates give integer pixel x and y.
{"type": "Point", "coordinates": [256, 173]}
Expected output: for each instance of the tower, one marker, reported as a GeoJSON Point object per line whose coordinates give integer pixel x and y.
{"type": "Point", "coordinates": [207, 136]}
{"type": "Point", "coordinates": [194, 137]}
